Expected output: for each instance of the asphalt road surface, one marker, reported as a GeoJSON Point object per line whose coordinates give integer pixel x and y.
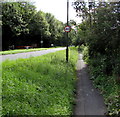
{"type": "Point", "coordinates": [88, 99]}
{"type": "Point", "coordinates": [28, 54]}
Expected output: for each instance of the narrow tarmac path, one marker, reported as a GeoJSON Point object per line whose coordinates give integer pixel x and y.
{"type": "Point", "coordinates": [29, 54]}
{"type": "Point", "coordinates": [88, 99]}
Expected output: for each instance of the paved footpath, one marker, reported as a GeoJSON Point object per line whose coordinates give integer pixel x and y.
{"type": "Point", "coordinates": [88, 99]}
{"type": "Point", "coordinates": [28, 54]}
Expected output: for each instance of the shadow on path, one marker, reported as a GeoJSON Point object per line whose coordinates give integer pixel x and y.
{"type": "Point", "coordinates": [88, 99]}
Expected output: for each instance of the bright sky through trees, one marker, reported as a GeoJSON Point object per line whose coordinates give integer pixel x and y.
{"type": "Point", "coordinates": [58, 8]}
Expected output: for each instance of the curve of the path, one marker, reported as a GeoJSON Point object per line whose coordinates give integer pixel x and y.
{"type": "Point", "coordinates": [29, 54]}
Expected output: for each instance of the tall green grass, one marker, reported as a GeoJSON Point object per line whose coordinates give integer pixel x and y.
{"type": "Point", "coordinates": [0, 88]}
{"type": "Point", "coordinates": [39, 85]}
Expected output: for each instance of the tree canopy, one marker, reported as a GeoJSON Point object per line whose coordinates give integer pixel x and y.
{"type": "Point", "coordinates": [100, 30]}
{"type": "Point", "coordinates": [22, 24]}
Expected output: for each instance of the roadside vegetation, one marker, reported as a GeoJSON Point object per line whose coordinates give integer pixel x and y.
{"type": "Point", "coordinates": [39, 85]}
{"type": "Point", "coordinates": [21, 51]}
{"type": "Point", "coordinates": [98, 37]}
{"type": "Point", "coordinates": [99, 40]}
{"type": "Point", "coordinates": [23, 25]}
{"type": "Point", "coordinates": [108, 85]}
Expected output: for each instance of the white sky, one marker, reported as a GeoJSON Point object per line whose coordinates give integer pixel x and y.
{"type": "Point", "coordinates": [58, 8]}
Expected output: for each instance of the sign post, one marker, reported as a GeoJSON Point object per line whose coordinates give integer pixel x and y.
{"type": "Point", "coordinates": [67, 30]}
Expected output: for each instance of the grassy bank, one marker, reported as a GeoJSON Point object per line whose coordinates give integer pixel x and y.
{"type": "Point", "coordinates": [21, 51]}
{"type": "Point", "coordinates": [39, 85]}
{"type": "Point", "coordinates": [108, 84]}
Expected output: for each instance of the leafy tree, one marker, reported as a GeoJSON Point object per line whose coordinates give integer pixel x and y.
{"type": "Point", "coordinates": [14, 23]}
{"type": "Point", "coordinates": [56, 29]}
{"type": "Point", "coordinates": [39, 28]}
{"type": "Point", "coordinates": [73, 32]}
{"type": "Point", "coordinates": [100, 31]}
{"type": "Point", "coordinates": [23, 25]}
{"type": "Point", "coordinates": [59, 33]}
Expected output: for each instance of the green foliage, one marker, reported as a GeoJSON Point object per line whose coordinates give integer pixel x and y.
{"type": "Point", "coordinates": [39, 85]}
{"type": "Point", "coordinates": [15, 19]}
{"type": "Point", "coordinates": [12, 17]}
{"type": "Point", "coordinates": [22, 24]}
{"type": "Point", "coordinates": [40, 24]}
{"type": "Point", "coordinates": [100, 33]}
{"type": "Point", "coordinates": [72, 35]}
{"type": "Point", "coordinates": [102, 36]}
{"type": "Point", "coordinates": [85, 54]}
{"type": "Point", "coordinates": [56, 29]}
{"type": "Point", "coordinates": [0, 89]}
{"type": "Point", "coordinates": [108, 86]}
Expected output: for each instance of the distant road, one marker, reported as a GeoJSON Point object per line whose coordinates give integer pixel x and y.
{"type": "Point", "coordinates": [28, 54]}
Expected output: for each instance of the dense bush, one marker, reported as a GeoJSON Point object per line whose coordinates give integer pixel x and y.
{"type": "Point", "coordinates": [108, 84]}
{"type": "Point", "coordinates": [100, 33]}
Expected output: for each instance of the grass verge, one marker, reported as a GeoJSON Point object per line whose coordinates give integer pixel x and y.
{"type": "Point", "coordinates": [0, 88]}
{"type": "Point", "coordinates": [21, 51]}
{"type": "Point", "coordinates": [39, 85]}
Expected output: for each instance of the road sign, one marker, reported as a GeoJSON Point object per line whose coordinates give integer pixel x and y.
{"type": "Point", "coordinates": [67, 29]}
